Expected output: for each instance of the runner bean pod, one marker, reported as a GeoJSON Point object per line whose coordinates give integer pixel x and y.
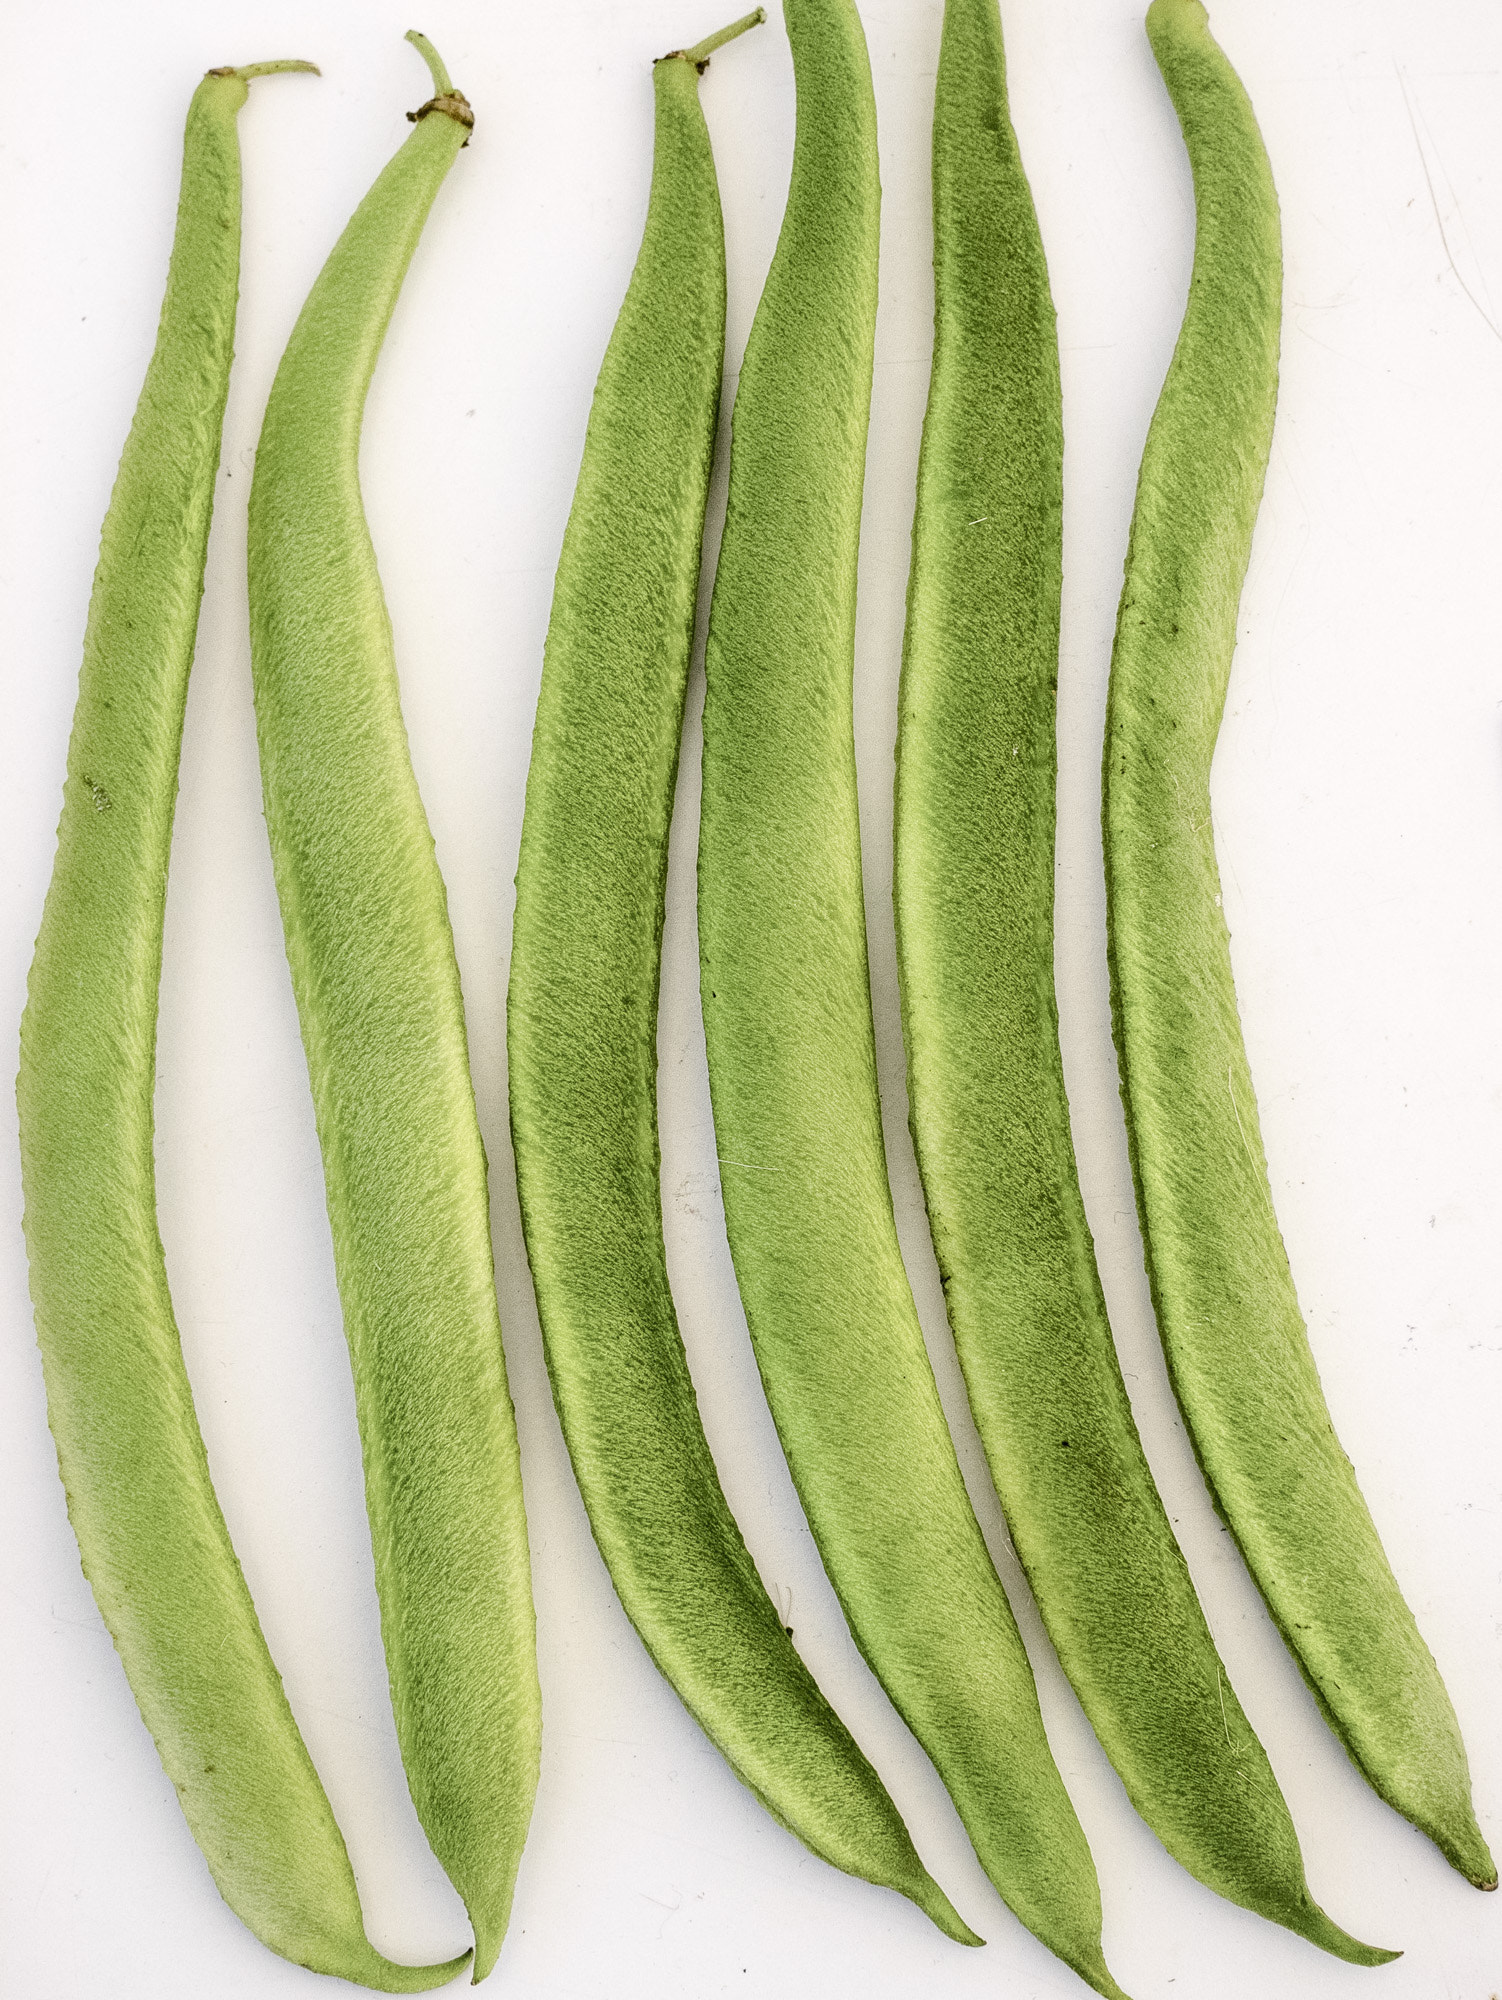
{"type": "Point", "coordinates": [787, 1011]}
{"type": "Point", "coordinates": [582, 1034]}
{"type": "Point", "coordinates": [372, 959]}
{"type": "Point", "coordinates": [150, 1532]}
{"type": "Point", "coordinates": [1238, 1352]}
{"type": "Point", "coordinates": [974, 889]}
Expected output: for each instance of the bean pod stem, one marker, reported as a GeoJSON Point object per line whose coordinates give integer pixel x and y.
{"type": "Point", "coordinates": [1238, 1352]}
{"type": "Point", "coordinates": [787, 1012]}
{"type": "Point", "coordinates": [150, 1532]}
{"type": "Point", "coordinates": [974, 890]}
{"type": "Point", "coordinates": [373, 968]}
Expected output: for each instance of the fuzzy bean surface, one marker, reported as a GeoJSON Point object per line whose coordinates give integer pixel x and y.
{"type": "Point", "coordinates": [787, 1011]}
{"type": "Point", "coordinates": [582, 1038]}
{"type": "Point", "coordinates": [990, 1119]}
{"type": "Point", "coordinates": [372, 959]}
{"type": "Point", "coordinates": [1237, 1348]}
{"type": "Point", "coordinates": [150, 1532]}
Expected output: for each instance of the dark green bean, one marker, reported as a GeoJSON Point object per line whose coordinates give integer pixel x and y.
{"type": "Point", "coordinates": [990, 1119]}
{"type": "Point", "coordinates": [582, 1034]}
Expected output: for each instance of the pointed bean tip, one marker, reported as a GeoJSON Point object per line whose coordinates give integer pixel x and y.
{"type": "Point", "coordinates": [1106, 1986]}
{"type": "Point", "coordinates": [1354, 1952]}
{"type": "Point", "coordinates": [388, 1975]}
{"type": "Point", "coordinates": [1478, 1866]}
{"type": "Point", "coordinates": [937, 1907]}
{"type": "Point", "coordinates": [420, 1978]}
{"type": "Point", "coordinates": [1322, 1930]}
{"type": "Point", "coordinates": [1091, 1967]}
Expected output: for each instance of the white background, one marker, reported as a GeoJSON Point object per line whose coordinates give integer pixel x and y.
{"type": "Point", "coordinates": [1358, 801]}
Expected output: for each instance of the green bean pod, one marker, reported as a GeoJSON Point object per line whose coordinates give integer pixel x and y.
{"type": "Point", "coordinates": [153, 1541]}
{"type": "Point", "coordinates": [787, 1011]}
{"type": "Point", "coordinates": [1237, 1348]}
{"type": "Point", "coordinates": [582, 1034]}
{"type": "Point", "coordinates": [372, 959]}
{"type": "Point", "coordinates": [974, 891]}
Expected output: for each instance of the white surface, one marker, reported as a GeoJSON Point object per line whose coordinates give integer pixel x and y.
{"type": "Point", "coordinates": [1359, 811]}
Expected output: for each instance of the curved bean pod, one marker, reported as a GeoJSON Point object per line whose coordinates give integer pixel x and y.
{"type": "Point", "coordinates": [990, 1120]}
{"type": "Point", "coordinates": [1235, 1339]}
{"type": "Point", "coordinates": [581, 1030]}
{"type": "Point", "coordinates": [150, 1532]}
{"type": "Point", "coordinates": [787, 1011]}
{"type": "Point", "coordinates": [377, 987]}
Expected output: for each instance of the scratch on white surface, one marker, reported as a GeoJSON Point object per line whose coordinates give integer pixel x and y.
{"type": "Point", "coordinates": [1434, 204]}
{"type": "Point", "coordinates": [671, 1909]}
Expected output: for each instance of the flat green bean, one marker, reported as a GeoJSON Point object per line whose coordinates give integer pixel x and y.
{"type": "Point", "coordinates": [787, 1012]}
{"type": "Point", "coordinates": [974, 888]}
{"type": "Point", "coordinates": [1238, 1352]}
{"type": "Point", "coordinates": [581, 1026]}
{"type": "Point", "coordinates": [151, 1536]}
{"type": "Point", "coordinates": [373, 968]}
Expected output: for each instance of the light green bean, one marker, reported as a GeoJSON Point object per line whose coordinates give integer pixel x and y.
{"type": "Point", "coordinates": [1237, 1348]}
{"type": "Point", "coordinates": [150, 1533]}
{"type": "Point", "coordinates": [787, 1012]}
{"type": "Point", "coordinates": [372, 960]}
